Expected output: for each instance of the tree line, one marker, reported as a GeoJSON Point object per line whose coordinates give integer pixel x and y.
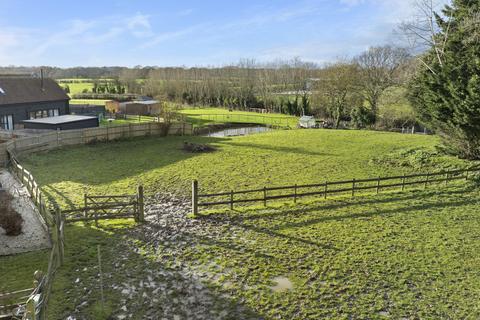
{"type": "Point", "coordinates": [441, 81]}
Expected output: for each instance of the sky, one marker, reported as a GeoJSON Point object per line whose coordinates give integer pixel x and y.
{"type": "Point", "coordinates": [192, 32]}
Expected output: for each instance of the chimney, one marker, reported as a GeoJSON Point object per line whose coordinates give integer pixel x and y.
{"type": "Point", "coordinates": [41, 79]}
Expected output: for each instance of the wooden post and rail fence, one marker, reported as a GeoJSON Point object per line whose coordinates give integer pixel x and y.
{"type": "Point", "coordinates": [278, 121]}
{"type": "Point", "coordinates": [31, 303]}
{"type": "Point", "coordinates": [352, 187]}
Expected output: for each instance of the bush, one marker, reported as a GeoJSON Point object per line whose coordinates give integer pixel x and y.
{"type": "Point", "coordinates": [194, 147]}
{"type": "Point", "coordinates": [362, 117]}
{"type": "Point", "coordinates": [10, 220]}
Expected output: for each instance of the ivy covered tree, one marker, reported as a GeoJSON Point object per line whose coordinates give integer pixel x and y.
{"type": "Point", "coordinates": [445, 91]}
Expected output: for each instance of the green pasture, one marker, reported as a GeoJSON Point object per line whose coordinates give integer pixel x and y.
{"type": "Point", "coordinates": [411, 254]}
{"type": "Point", "coordinates": [206, 116]}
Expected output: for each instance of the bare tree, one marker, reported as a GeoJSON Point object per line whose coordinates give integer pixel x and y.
{"type": "Point", "coordinates": [381, 68]}
{"type": "Point", "coordinates": [337, 90]}
{"type": "Point", "coordinates": [422, 32]}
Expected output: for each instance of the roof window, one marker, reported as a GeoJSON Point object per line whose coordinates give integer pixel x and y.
{"type": "Point", "coordinates": [2, 92]}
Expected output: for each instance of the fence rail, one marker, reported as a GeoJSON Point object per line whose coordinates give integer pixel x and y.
{"type": "Point", "coordinates": [240, 118]}
{"type": "Point", "coordinates": [34, 305]}
{"type": "Point", "coordinates": [54, 221]}
{"type": "Point", "coordinates": [119, 206]}
{"type": "Point", "coordinates": [324, 189]}
{"type": "Point", "coordinates": [56, 139]}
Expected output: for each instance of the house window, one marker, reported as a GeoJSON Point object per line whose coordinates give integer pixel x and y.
{"type": "Point", "coordinates": [53, 113]}
{"type": "Point", "coordinates": [43, 113]}
{"type": "Point", "coordinates": [6, 122]}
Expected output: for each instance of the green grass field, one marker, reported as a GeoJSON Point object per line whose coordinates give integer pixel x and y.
{"type": "Point", "coordinates": [283, 157]}
{"type": "Point", "coordinates": [129, 120]}
{"type": "Point", "coordinates": [76, 88]}
{"type": "Point", "coordinates": [205, 116]}
{"type": "Point", "coordinates": [394, 255]}
{"type": "Point", "coordinates": [88, 101]}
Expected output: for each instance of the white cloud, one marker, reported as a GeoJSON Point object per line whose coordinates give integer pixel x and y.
{"type": "Point", "coordinates": [69, 35]}
{"type": "Point", "coordinates": [393, 10]}
{"type": "Point", "coordinates": [139, 25]}
{"type": "Point", "coordinates": [171, 35]}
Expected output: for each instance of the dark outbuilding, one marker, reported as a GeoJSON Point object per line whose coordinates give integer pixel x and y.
{"type": "Point", "coordinates": [25, 98]}
{"type": "Point", "coordinates": [65, 122]}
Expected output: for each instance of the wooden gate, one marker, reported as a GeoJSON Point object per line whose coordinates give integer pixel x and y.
{"type": "Point", "coordinates": [108, 207]}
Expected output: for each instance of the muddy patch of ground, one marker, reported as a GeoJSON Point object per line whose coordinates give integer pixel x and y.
{"type": "Point", "coordinates": [164, 285]}
{"type": "Point", "coordinates": [34, 235]}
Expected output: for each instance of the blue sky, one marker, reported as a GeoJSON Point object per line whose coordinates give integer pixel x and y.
{"type": "Point", "coordinates": [191, 33]}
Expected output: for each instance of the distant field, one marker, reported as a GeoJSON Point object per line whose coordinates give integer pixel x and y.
{"type": "Point", "coordinates": [78, 87]}
{"type": "Point", "coordinates": [88, 101]}
{"type": "Point", "coordinates": [205, 116]}
{"type": "Point", "coordinates": [130, 119]}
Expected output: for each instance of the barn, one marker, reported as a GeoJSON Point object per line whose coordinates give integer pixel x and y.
{"type": "Point", "coordinates": [65, 122]}
{"type": "Point", "coordinates": [24, 98]}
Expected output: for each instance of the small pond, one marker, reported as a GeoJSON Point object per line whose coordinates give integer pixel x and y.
{"type": "Point", "coordinates": [241, 131]}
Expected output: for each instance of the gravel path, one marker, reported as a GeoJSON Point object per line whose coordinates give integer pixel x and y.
{"type": "Point", "coordinates": [34, 235]}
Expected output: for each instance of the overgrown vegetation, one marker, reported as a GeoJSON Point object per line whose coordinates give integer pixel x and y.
{"type": "Point", "coordinates": [10, 220]}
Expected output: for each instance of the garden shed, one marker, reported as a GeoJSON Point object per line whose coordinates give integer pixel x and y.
{"type": "Point", "coordinates": [143, 108]}
{"type": "Point", "coordinates": [65, 122]}
{"type": "Point", "coordinates": [307, 122]}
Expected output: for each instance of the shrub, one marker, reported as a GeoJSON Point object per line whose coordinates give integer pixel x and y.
{"type": "Point", "coordinates": [10, 220]}
{"type": "Point", "coordinates": [194, 147]}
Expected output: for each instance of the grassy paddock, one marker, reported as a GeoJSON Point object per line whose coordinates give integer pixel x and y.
{"type": "Point", "coordinates": [274, 158]}
{"type": "Point", "coordinates": [205, 116]}
{"type": "Point", "coordinates": [409, 255]}
{"type": "Point", "coordinates": [404, 255]}
{"type": "Point", "coordinates": [88, 101]}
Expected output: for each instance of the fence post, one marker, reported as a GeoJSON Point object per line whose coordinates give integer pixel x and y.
{"type": "Point", "coordinates": [141, 209]}
{"type": "Point", "coordinates": [403, 183]}
{"type": "Point", "coordinates": [264, 196]}
{"type": "Point", "coordinates": [378, 185]}
{"type": "Point", "coordinates": [102, 299]}
{"type": "Point", "coordinates": [326, 189]}
{"type": "Point", "coordinates": [58, 137]}
{"type": "Point", "coordinates": [353, 187]}
{"type": "Point", "coordinates": [426, 180]}
{"type": "Point", "coordinates": [295, 195]}
{"type": "Point", "coordinates": [85, 213]}
{"type": "Point", "coordinates": [194, 197]}
{"type": "Point", "coordinates": [59, 244]}
{"type": "Point", "coordinates": [446, 179]}
{"type": "Point", "coordinates": [231, 200]}
{"type": "Point", "coordinates": [23, 175]}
